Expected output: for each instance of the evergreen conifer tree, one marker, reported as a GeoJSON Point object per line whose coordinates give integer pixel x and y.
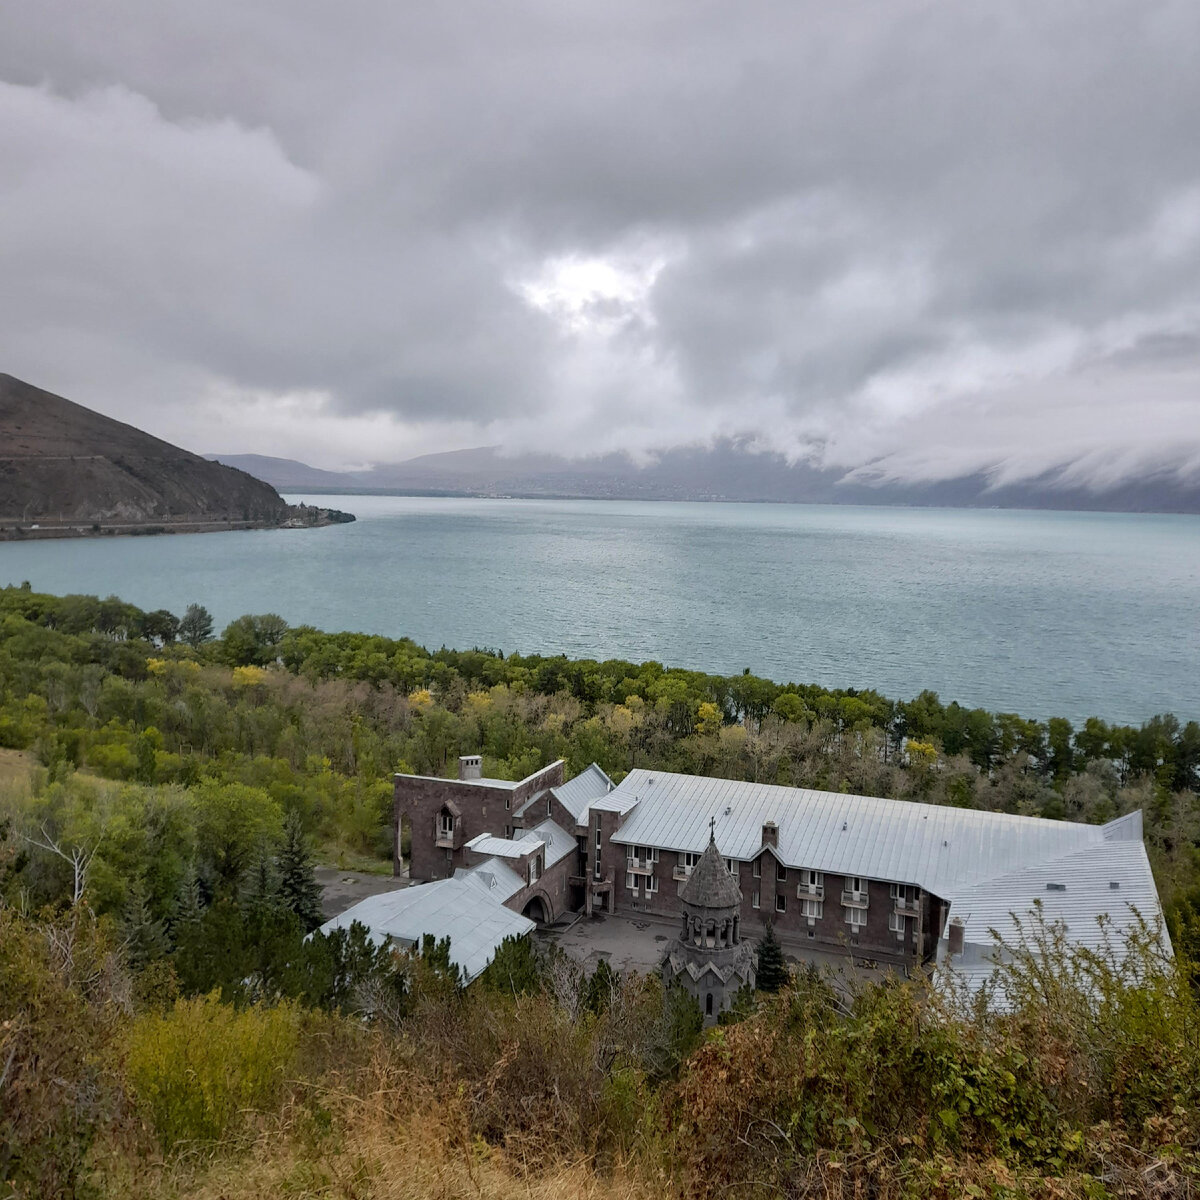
{"type": "Point", "coordinates": [145, 937]}
{"type": "Point", "coordinates": [298, 888]}
{"type": "Point", "coordinates": [773, 973]}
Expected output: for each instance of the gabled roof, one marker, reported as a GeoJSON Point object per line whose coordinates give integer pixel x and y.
{"type": "Point", "coordinates": [939, 848]}
{"type": "Point", "coordinates": [559, 843]}
{"type": "Point", "coordinates": [462, 909]}
{"type": "Point", "coordinates": [1111, 880]}
{"type": "Point", "coordinates": [577, 794]}
{"type": "Point", "coordinates": [499, 878]}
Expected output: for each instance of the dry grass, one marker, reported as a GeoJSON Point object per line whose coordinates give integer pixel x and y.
{"type": "Point", "coordinates": [16, 766]}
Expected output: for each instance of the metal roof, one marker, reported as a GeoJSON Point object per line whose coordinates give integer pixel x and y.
{"type": "Point", "coordinates": [501, 880]}
{"type": "Point", "coordinates": [938, 848]}
{"type": "Point", "coordinates": [559, 843]}
{"type": "Point", "coordinates": [577, 794]}
{"type": "Point", "coordinates": [487, 843]}
{"type": "Point", "coordinates": [1098, 894]}
{"type": "Point", "coordinates": [462, 909]}
{"type": "Point", "coordinates": [1075, 889]}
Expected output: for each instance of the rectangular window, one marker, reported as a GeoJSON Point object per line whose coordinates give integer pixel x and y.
{"type": "Point", "coordinates": [651, 885]}
{"type": "Point", "coordinates": [858, 884]}
{"type": "Point", "coordinates": [813, 909]}
{"type": "Point", "coordinates": [896, 924]}
{"type": "Point", "coordinates": [689, 863]}
{"type": "Point", "coordinates": [814, 879]}
{"type": "Point", "coordinates": [781, 872]}
{"type": "Point", "coordinates": [507, 803]}
{"type": "Point", "coordinates": [732, 867]}
{"type": "Point", "coordinates": [508, 832]}
{"type": "Point", "coordinates": [631, 881]}
{"type": "Point", "coordinates": [754, 898]}
{"type": "Point", "coordinates": [445, 825]}
{"type": "Point", "coordinates": [856, 918]}
{"type": "Point", "coordinates": [780, 902]}
{"type": "Point", "coordinates": [548, 812]}
{"type": "Point", "coordinates": [758, 868]}
{"type": "Point", "coordinates": [597, 835]}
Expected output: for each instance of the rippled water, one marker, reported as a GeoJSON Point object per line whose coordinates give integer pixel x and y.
{"type": "Point", "coordinates": [1034, 612]}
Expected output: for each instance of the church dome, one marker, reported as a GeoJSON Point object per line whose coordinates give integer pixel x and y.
{"type": "Point", "coordinates": [710, 884]}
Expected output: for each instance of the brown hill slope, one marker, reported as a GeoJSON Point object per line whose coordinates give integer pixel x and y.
{"type": "Point", "coordinates": [63, 465]}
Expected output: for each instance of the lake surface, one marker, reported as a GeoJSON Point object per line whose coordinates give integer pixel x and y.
{"type": "Point", "coordinates": [1040, 613]}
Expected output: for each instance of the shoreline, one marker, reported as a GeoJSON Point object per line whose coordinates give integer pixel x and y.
{"type": "Point", "coordinates": [300, 517]}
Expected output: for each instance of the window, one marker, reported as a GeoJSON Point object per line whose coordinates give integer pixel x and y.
{"type": "Point", "coordinates": [856, 918]}
{"type": "Point", "coordinates": [597, 834]}
{"type": "Point", "coordinates": [754, 898]}
{"type": "Point", "coordinates": [857, 884]}
{"type": "Point", "coordinates": [535, 868]}
{"type": "Point", "coordinates": [813, 880]}
{"type": "Point", "coordinates": [812, 909]}
{"type": "Point", "coordinates": [507, 803]}
{"type": "Point", "coordinates": [689, 863]}
{"type": "Point", "coordinates": [508, 832]}
{"type": "Point", "coordinates": [548, 812]}
{"type": "Point", "coordinates": [651, 885]}
{"type": "Point", "coordinates": [445, 824]}
{"type": "Point", "coordinates": [758, 868]}
{"type": "Point", "coordinates": [896, 924]}
{"type": "Point", "coordinates": [780, 902]}
{"type": "Point", "coordinates": [631, 881]}
{"type": "Point", "coordinates": [708, 1005]}
{"type": "Point", "coordinates": [812, 932]}
{"type": "Point", "coordinates": [781, 872]}
{"type": "Point", "coordinates": [732, 867]}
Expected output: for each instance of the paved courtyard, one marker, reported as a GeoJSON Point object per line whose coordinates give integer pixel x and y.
{"type": "Point", "coordinates": [637, 942]}
{"type": "Point", "coordinates": [341, 889]}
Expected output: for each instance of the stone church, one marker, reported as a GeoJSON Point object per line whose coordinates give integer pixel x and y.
{"type": "Point", "coordinates": [710, 961]}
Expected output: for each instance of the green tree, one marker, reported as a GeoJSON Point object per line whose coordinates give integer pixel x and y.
{"type": "Point", "coordinates": [196, 627]}
{"type": "Point", "coordinates": [514, 970]}
{"type": "Point", "coordinates": [772, 973]}
{"type": "Point", "coordinates": [145, 938]}
{"type": "Point", "coordinates": [233, 823]}
{"type": "Point", "coordinates": [298, 888]}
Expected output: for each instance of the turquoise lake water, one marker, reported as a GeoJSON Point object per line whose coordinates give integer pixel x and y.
{"type": "Point", "coordinates": [1040, 613]}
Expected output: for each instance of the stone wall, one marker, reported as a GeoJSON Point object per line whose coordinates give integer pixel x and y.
{"type": "Point", "coordinates": [830, 931]}
{"type": "Point", "coordinates": [482, 808]}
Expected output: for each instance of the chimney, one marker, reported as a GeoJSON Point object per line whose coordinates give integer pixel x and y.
{"type": "Point", "coordinates": [954, 937]}
{"type": "Point", "coordinates": [771, 834]}
{"type": "Point", "coordinates": [470, 766]}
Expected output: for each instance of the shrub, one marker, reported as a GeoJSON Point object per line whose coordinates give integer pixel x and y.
{"type": "Point", "coordinates": [199, 1068]}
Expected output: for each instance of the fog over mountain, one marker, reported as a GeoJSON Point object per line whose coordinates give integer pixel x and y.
{"type": "Point", "coordinates": [898, 245]}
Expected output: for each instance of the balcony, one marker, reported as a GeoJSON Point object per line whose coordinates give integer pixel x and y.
{"type": "Point", "coordinates": [854, 899]}
{"type": "Point", "coordinates": [639, 866]}
{"type": "Point", "coordinates": [811, 891]}
{"type": "Point", "coordinates": [679, 874]}
{"type": "Point", "coordinates": [445, 839]}
{"type": "Point", "coordinates": [908, 908]}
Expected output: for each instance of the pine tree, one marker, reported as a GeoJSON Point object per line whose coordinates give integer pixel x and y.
{"type": "Point", "coordinates": [145, 937]}
{"type": "Point", "coordinates": [773, 973]}
{"type": "Point", "coordinates": [298, 888]}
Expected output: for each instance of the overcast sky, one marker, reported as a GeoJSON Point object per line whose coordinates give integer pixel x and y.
{"type": "Point", "coordinates": [909, 239]}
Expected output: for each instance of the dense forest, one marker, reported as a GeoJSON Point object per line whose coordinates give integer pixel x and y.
{"type": "Point", "coordinates": [171, 1025]}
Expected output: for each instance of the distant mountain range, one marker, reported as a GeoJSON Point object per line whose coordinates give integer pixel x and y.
{"type": "Point", "coordinates": [725, 471]}
{"type": "Point", "coordinates": [68, 471]}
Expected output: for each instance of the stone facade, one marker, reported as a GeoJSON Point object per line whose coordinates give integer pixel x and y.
{"type": "Point", "coordinates": [445, 814]}
{"type": "Point", "coordinates": [766, 894]}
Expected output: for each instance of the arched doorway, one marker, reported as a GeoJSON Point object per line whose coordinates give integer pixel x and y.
{"type": "Point", "coordinates": [535, 910]}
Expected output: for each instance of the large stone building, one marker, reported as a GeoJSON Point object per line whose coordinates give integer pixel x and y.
{"type": "Point", "coordinates": [876, 878]}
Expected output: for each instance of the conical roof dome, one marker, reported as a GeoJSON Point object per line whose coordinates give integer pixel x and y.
{"type": "Point", "coordinates": [710, 884]}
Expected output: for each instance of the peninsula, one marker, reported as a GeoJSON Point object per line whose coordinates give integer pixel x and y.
{"type": "Point", "coordinates": [66, 471]}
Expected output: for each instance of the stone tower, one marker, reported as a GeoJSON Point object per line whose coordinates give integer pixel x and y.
{"type": "Point", "coordinates": [710, 961]}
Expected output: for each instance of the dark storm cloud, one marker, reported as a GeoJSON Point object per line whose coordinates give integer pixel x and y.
{"type": "Point", "coordinates": [908, 239]}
